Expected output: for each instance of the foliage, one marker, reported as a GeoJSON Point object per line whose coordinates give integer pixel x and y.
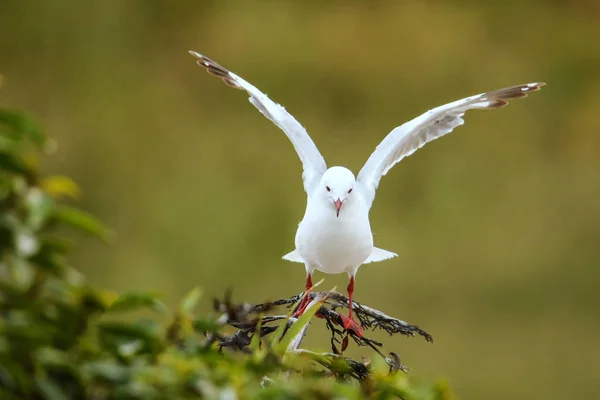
{"type": "Point", "coordinates": [61, 338]}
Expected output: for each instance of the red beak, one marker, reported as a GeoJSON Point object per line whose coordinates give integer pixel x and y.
{"type": "Point", "coordinates": [338, 206]}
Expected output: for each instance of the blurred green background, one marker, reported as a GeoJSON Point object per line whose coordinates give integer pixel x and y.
{"type": "Point", "coordinates": [497, 225]}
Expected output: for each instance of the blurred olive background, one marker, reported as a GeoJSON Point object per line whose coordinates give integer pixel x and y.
{"type": "Point", "coordinates": [497, 225]}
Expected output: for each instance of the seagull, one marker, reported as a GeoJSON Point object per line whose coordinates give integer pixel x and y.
{"type": "Point", "coordinates": [335, 234]}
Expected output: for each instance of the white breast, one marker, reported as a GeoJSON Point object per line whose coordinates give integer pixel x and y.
{"type": "Point", "coordinates": [335, 244]}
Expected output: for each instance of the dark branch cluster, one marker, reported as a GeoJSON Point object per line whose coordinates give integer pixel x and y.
{"type": "Point", "coordinates": [245, 317]}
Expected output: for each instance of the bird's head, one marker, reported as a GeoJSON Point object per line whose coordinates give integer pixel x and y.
{"type": "Point", "coordinates": [337, 185]}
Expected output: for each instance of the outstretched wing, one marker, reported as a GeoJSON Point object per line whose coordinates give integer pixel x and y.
{"type": "Point", "coordinates": [411, 136]}
{"type": "Point", "coordinates": [312, 161]}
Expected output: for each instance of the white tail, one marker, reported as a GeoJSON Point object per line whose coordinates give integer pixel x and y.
{"type": "Point", "coordinates": [379, 255]}
{"type": "Point", "coordinates": [293, 257]}
{"type": "Point", "coordinates": [376, 255]}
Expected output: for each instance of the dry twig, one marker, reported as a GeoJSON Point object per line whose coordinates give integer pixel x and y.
{"type": "Point", "coordinates": [245, 318]}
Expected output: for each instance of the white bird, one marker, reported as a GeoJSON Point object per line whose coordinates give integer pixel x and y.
{"type": "Point", "coordinates": [335, 234]}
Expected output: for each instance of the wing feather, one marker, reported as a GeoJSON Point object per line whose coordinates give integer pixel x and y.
{"type": "Point", "coordinates": [411, 136]}
{"type": "Point", "coordinates": [312, 161]}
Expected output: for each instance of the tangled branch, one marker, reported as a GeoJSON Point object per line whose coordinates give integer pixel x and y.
{"type": "Point", "coordinates": [246, 317]}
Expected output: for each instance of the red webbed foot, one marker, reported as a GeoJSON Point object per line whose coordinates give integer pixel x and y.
{"type": "Point", "coordinates": [351, 325]}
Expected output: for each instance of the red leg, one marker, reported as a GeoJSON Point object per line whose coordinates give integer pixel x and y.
{"type": "Point", "coordinates": [349, 323]}
{"type": "Point", "coordinates": [305, 301]}
{"type": "Point", "coordinates": [350, 290]}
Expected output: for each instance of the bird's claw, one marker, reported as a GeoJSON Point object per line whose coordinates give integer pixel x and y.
{"type": "Point", "coordinates": [351, 325]}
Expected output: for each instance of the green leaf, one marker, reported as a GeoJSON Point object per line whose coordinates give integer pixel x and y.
{"type": "Point", "coordinates": [6, 395]}
{"type": "Point", "coordinates": [114, 335]}
{"type": "Point", "coordinates": [22, 126]}
{"type": "Point", "coordinates": [8, 143]}
{"type": "Point", "coordinates": [255, 342]}
{"type": "Point", "coordinates": [205, 324]}
{"type": "Point", "coordinates": [93, 301]}
{"type": "Point", "coordinates": [277, 335]}
{"type": "Point", "coordinates": [49, 259]}
{"type": "Point", "coordinates": [137, 301]}
{"type": "Point", "coordinates": [190, 300]}
{"type": "Point", "coordinates": [49, 356]}
{"type": "Point", "coordinates": [61, 186]}
{"type": "Point", "coordinates": [82, 221]}
{"type": "Point", "coordinates": [106, 370]}
{"type": "Point", "coordinates": [50, 390]}
{"type": "Point", "coordinates": [13, 376]}
{"type": "Point", "coordinates": [14, 165]}
{"type": "Point", "coordinates": [56, 244]}
{"type": "Point", "coordinates": [297, 327]}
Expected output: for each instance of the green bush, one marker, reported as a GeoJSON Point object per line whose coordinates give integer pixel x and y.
{"type": "Point", "coordinates": [60, 338]}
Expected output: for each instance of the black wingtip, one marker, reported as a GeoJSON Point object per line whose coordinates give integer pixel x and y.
{"type": "Point", "coordinates": [500, 98]}
{"type": "Point", "coordinates": [215, 69]}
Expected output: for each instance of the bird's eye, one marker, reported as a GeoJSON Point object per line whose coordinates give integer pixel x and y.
{"type": "Point", "coordinates": [328, 188]}
{"type": "Point", "coordinates": [350, 191]}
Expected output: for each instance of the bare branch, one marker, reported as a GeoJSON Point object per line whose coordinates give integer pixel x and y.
{"type": "Point", "coordinates": [369, 318]}
{"type": "Point", "coordinates": [245, 317]}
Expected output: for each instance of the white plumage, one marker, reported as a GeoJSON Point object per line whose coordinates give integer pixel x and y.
{"type": "Point", "coordinates": [335, 234]}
